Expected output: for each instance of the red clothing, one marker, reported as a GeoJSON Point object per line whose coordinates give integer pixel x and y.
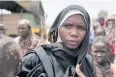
{"type": "Point", "coordinates": [110, 73]}
{"type": "Point", "coordinates": [112, 47]}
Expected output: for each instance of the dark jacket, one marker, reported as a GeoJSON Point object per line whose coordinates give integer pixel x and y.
{"type": "Point", "coordinates": [62, 63]}
{"type": "Point", "coordinates": [64, 60]}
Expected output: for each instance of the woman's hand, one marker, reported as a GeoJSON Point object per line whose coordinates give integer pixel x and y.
{"type": "Point", "coordinates": [78, 71]}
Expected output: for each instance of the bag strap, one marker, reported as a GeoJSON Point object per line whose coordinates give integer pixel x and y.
{"type": "Point", "coordinates": [44, 58]}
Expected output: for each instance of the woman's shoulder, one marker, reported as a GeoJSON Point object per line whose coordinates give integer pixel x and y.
{"type": "Point", "coordinates": [53, 46]}
{"type": "Point", "coordinates": [30, 57]}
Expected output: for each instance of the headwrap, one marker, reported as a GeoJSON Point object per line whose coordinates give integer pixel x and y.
{"type": "Point", "coordinates": [31, 40]}
{"type": "Point", "coordinates": [62, 16]}
{"type": "Point", "coordinates": [28, 23]}
{"type": "Point", "coordinates": [68, 14]}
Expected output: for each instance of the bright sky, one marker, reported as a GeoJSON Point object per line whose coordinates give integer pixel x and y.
{"type": "Point", "coordinates": [53, 7]}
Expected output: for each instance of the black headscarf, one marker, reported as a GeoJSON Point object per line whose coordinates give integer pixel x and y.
{"type": "Point", "coordinates": [53, 32]}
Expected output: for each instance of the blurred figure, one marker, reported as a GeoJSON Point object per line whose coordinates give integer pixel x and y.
{"type": "Point", "coordinates": [100, 31]}
{"type": "Point", "coordinates": [9, 57]}
{"type": "Point", "coordinates": [2, 29]}
{"type": "Point", "coordinates": [110, 28]}
{"type": "Point", "coordinates": [96, 31]}
{"type": "Point", "coordinates": [101, 21]}
{"type": "Point", "coordinates": [101, 52]}
{"type": "Point", "coordinates": [26, 39]}
{"type": "Point", "coordinates": [96, 25]}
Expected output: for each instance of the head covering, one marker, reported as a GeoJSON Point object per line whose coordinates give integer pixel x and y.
{"type": "Point", "coordinates": [71, 10]}
{"type": "Point", "coordinates": [31, 40]}
{"type": "Point", "coordinates": [110, 18]}
{"type": "Point", "coordinates": [110, 28]}
{"type": "Point", "coordinates": [68, 14]}
{"type": "Point", "coordinates": [28, 23]}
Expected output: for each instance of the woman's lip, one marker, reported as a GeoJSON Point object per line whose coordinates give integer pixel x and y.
{"type": "Point", "coordinates": [98, 58]}
{"type": "Point", "coordinates": [73, 42]}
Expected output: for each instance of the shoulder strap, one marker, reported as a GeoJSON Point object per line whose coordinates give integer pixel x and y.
{"type": "Point", "coordinates": [92, 65]}
{"type": "Point", "coordinates": [44, 58]}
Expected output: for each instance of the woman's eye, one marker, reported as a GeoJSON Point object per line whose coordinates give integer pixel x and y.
{"type": "Point", "coordinates": [95, 51]}
{"type": "Point", "coordinates": [67, 26]}
{"type": "Point", "coordinates": [103, 51]}
{"type": "Point", "coordinates": [82, 27]}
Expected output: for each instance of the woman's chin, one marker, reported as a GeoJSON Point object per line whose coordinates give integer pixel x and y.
{"type": "Point", "coordinates": [72, 47]}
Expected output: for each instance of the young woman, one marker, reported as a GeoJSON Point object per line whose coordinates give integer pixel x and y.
{"type": "Point", "coordinates": [26, 39]}
{"type": "Point", "coordinates": [69, 36]}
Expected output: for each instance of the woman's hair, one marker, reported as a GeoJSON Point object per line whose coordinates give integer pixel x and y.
{"type": "Point", "coordinates": [10, 54]}
{"type": "Point", "coordinates": [102, 39]}
{"type": "Point", "coordinates": [110, 18]}
{"type": "Point", "coordinates": [28, 23]}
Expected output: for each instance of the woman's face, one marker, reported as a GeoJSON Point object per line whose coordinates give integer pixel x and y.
{"type": "Point", "coordinates": [23, 29]}
{"type": "Point", "coordinates": [2, 30]}
{"type": "Point", "coordinates": [100, 52]}
{"type": "Point", "coordinates": [73, 31]}
{"type": "Point", "coordinates": [110, 24]}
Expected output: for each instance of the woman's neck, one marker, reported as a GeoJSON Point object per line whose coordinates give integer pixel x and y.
{"type": "Point", "coordinates": [24, 37]}
{"type": "Point", "coordinates": [71, 52]}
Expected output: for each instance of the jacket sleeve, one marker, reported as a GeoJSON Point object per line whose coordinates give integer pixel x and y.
{"type": "Point", "coordinates": [27, 64]}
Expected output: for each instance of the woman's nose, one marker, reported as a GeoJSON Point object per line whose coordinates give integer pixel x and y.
{"type": "Point", "coordinates": [99, 54]}
{"type": "Point", "coordinates": [74, 33]}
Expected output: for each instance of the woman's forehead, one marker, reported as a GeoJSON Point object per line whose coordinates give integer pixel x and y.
{"type": "Point", "coordinates": [75, 17]}
{"type": "Point", "coordinates": [22, 24]}
{"type": "Point", "coordinates": [100, 45]}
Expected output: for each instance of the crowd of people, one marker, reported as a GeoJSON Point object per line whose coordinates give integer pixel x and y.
{"type": "Point", "coordinates": [71, 52]}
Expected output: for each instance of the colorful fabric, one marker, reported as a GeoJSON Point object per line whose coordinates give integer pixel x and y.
{"type": "Point", "coordinates": [103, 73]}
{"type": "Point", "coordinates": [27, 44]}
